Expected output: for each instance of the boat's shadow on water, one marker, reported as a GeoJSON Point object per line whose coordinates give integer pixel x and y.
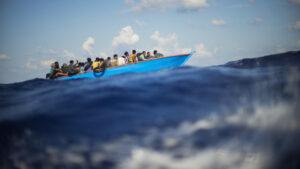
{"type": "Point", "coordinates": [187, 117]}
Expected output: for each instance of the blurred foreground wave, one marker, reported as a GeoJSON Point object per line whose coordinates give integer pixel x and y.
{"type": "Point", "coordinates": [243, 114]}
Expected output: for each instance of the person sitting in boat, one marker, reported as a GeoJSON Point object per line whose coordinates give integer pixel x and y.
{"type": "Point", "coordinates": [88, 65]}
{"type": "Point", "coordinates": [126, 55]}
{"type": "Point", "coordinates": [64, 68]}
{"type": "Point", "coordinates": [125, 59]}
{"type": "Point", "coordinates": [71, 64]}
{"type": "Point", "coordinates": [63, 71]}
{"type": "Point", "coordinates": [149, 56]}
{"type": "Point", "coordinates": [115, 62]}
{"type": "Point", "coordinates": [121, 61]}
{"type": "Point", "coordinates": [98, 65]}
{"type": "Point", "coordinates": [141, 57]}
{"type": "Point", "coordinates": [108, 62]}
{"type": "Point", "coordinates": [53, 71]}
{"type": "Point", "coordinates": [157, 55]}
{"type": "Point", "coordinates": [132, 57]}
{"type": "Point", "coordinates": [57, 71]}
{"type": "Point", "coordinates": [72, 68]}
{"type": "Point", "coordinates": [80, 67]}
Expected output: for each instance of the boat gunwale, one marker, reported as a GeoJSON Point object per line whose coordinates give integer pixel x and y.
{"type": "Point", "coordinates": [80, 73]}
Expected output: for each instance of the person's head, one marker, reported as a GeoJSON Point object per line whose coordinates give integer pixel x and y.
{"type": "Point", "coordinates": [101, 60]}
{"type": "Point", "coordinates": [71, 62]}
{"type": "Point", "coordinates": [144, 52]}
{"type": "Point", "coordinates": [97, 59]}
{"type": "Point", "coordinates": [108, 58]}
{"type": "Point", "coordinates": [115, 56]}
{"type": "Point", "coordinates": [123, 57]}
{"type": "Point", "coordinates": [56, 65]}
{"type": "Point", "coordinates": [89, 59]}
{"type": "Point", "coordinates": [155, 52]}
{"type": "Point", "coordinates": [133, 51]}
{"type": "Point", "coordinates": [148, 54]}
{"type": "Point", "coordinates": [126, 53]}
{"type": "Point", "coordinates": [64, 65]}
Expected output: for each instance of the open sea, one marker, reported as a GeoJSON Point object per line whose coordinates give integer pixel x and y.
{"type": "Point", "coordinates": [240, 115]}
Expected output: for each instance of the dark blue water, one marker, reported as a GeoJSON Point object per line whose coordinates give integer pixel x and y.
{"type": "Point", "coordinates": [244, 114]}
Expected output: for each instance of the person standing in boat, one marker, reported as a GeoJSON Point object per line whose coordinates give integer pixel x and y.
{"type": "Point", "coordinates": [157, 55]}
{"type": "Point", "coordinates": [132, 57]}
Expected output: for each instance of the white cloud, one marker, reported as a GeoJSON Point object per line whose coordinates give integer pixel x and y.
{"type": "Point", "coordinates": [166, 45]}
{"type": "Point", "coordinates": [218, 22]}
{"type": "Point", "coordinates": [31, 64]}
{"type": "Point", "coordinates": [194, 4]}
{"type": "Point", "coordinates": [280, 49]}
{"type": "Point", "coordinates": [153, 4]}
{"type": "Point", "coordinates": [208, 158]}
{"type": "Point", "coordinates": [46, 63]}
{"type": "Point", "coordinates": [256, 21]}
{"type": "Point", "coordinates": [45, 52]}
{"type": "Point", "coordinates": [297, 2]}
{"type": "Point", "coordinates": [4, 57]}
{"type": "Point", "coordinates": [87, 45]}
{"type": "Point", "coordinates": [169, 45]}
{"type": "Point", "coordinates": [202, 52]}
{"type": "Point", "coordinates": [103, 55]}
{"type": "Point", "coordinates": [126, 37]}
{"type": "Point", "coordinates": [140, 23]}
{"type": "Point", "coordinates": [296, 26]}
{"type": "Point", "coordinates": [68, 54]}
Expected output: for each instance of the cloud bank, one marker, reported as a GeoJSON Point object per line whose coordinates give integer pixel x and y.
{"type": "Point", "coordinates": [186, 5]}
{"type": "Point", "coordinates": [126, 37]}
{"type": "Point", "coordinates": [296, 26]}
{"type": "Point", "coordinates": [87, 45]}
{"type": "Point", "coordinates": [256, 21]}
{"type": "Point", "coordinates": [4, 57]}
{"type": "Point", "coordinates": [169, 45]}
{"type": "Point", "coordinates": [218, 22]}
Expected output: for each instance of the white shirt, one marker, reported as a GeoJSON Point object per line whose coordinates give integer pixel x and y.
{"type": "Point", "coordinates": [121, 61]}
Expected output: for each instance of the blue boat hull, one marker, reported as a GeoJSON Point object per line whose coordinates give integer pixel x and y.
{"type": "Point", "coordinates": [145, 66]}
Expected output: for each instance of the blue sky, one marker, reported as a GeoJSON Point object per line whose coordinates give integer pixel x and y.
{"type": "Point", "coordinates": [34, 33]}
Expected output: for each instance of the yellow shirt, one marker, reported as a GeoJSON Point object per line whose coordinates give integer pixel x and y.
{"type": "Point", "coordinates": [114, 62]}
{"type": "Point", "coordinates": [96, 65]}
{"type": "Point", "coordinates": [132, 58]}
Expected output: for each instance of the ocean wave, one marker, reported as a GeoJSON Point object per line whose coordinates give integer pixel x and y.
{"type": "Point", "coordinates": [187, 117]}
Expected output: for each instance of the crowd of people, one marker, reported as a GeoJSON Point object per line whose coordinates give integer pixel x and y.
{"type": "Point", "coordinates": [99, 64]}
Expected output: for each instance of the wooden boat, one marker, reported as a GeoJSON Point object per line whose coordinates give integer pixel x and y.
{"type": "Point", "coordinates": [150, 65]}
